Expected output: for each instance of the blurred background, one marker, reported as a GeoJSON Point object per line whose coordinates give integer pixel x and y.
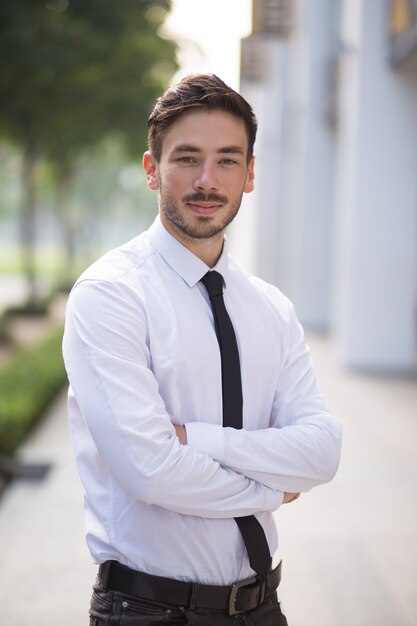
{"type": "Point", "coordinates": [332, 222]}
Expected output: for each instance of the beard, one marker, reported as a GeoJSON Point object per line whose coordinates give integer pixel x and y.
{"type": "Point", "coordinates": [198, 226]}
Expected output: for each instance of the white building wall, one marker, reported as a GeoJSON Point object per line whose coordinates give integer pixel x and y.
{"type": "Point", "coordinates": [308, 163]}
{"type": "Point", "coordinates": [285, 227]}
{"type": "Point", "coordinates": [253, 234]}
{"type": "Point", "coordinates": [375, 284]}
{"type": "Point", "coordinates": [333, 220]}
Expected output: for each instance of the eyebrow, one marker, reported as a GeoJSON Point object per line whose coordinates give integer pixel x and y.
{"type": "Point", "coordinates": [185, 147]}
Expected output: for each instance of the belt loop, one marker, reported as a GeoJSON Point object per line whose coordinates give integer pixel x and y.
{"type": "Point", "coordinates": [104, 574]}
{"type": "Point", "coordinates": [262, 591]}
{"type": "Point", "coordinates": [194, 593]}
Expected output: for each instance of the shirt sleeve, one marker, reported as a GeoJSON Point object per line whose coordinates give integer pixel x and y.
{"type": "Point", "coordinates": [301, 449]}
{"type": "Point", "coordinates": [109, 368]}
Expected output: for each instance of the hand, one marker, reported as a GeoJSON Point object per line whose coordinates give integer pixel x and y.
{"type": "Point", "coordinates": [290, 497]}
{"type": "Point", "coordinates": [181, 434]}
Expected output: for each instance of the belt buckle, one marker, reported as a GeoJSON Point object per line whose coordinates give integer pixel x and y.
{"type": "Point", "coordinates": [245, 583]}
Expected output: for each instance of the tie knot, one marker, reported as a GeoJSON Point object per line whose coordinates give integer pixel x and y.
{"type": "Point", "coordinates": [213, 282]}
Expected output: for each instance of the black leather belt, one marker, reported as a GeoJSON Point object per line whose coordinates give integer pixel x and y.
{"type": "Point", "coordinates": [242, 596]}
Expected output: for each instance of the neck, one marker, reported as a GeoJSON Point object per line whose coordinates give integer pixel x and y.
{"type": "Point", "coordinates": [207, 249]}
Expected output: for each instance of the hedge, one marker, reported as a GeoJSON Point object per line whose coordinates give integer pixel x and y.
{"type": "Point", "coordinates": [30, 308]}
{"type": "Point", "coordinates": [5, 338]}
{"type": "Point", "coordinates": [28, 382]}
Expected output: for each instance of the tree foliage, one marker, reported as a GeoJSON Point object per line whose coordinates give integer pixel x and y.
{"type": "Point", "coordinates": [74, 72]}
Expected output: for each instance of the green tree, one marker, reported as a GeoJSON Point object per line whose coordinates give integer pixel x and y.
{"type": "Point", "coordinates": [72, 73]}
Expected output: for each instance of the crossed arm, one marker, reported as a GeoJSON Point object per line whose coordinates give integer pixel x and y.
{"type": "Point", "coordinates": [119, 400]}
{"type": "Point", "coordinates": [181, 433]}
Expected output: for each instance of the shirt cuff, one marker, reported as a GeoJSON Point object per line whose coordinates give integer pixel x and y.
{"type": "Point", "coordinates": [206, 438]}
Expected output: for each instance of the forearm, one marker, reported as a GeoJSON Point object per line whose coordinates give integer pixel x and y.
{"type": "Point", "coordinates": [151, 465]}
{"type": "Point", "coordinates": [290, 459]}
{"type": "Point", "coordinates": [181, 434]}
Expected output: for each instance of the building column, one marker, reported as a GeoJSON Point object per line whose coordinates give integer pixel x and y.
{"type": "Point", "coordinates": [288, 221]}
{"type": "Point", "coordinates": [304, 237]}
{"type": "Point", "coordinates": [375, 281]}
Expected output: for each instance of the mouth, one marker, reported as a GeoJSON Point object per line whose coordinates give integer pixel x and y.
{"type": "Point", "coordinates": [205, 204]}
{"type": "Point", "coordinates": [204, 208]}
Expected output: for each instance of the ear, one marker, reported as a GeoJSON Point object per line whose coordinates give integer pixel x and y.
{"type": "Point", "coordinates": [250, 177]}
{"type": "Point", "coordinates": [150, 166]}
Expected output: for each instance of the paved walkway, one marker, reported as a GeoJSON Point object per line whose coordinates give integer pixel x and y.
{"type": "Point", "coordinates": [350, 548]}
{"type": "Point", "coordinates": [45, 569]}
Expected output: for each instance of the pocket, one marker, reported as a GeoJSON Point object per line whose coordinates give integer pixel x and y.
{"type": "Point", "coordinates": [101, 606]}
{"type": "Point", "coordinates": [138, 612]}
{"type": "Point", "coordinates": [278, 610]}
{"type": "Point", "coordinates": [268, 613]}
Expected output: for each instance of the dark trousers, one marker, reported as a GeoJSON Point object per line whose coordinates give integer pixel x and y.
{"type": "Point", "coordinates": [112, 608]}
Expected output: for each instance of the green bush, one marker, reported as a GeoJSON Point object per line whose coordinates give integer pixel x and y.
{"type": "Point", "coordinates": [5, 339]}
{"type": "Point", "coordinates": [28, 383]}
{"type": "Point", "coordinates": [29, 308]}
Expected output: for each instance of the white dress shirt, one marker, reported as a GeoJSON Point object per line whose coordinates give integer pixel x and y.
{"type": "Point", "coordinates": [141, 354]}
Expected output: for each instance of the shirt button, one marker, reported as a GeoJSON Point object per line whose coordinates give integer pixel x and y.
{"type": "Point", "coordinates": [125, 604]}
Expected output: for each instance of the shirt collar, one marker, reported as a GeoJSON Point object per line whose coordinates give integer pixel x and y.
{"type": "Point", "coordinates": [183, 261]}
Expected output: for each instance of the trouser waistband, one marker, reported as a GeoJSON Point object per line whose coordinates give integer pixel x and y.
{"type": "Point", "coordinates": [244, 595]}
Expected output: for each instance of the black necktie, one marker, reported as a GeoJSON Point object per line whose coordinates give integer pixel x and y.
{"type": "Point", "coordinates": [252, 532]}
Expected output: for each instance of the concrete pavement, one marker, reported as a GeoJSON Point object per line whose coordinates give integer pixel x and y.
{"type": "Point", "coordinates": [349, 548]}
{"type": "Point", "coordinates": [45, 569]}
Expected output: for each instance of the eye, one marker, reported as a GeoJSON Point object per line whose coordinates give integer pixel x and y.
{"type": "Point", "coordinates": [186, 160]}
{"type": "Point", "coordinates": [227, 161]}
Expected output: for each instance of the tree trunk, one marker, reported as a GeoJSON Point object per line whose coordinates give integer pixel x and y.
{"type": "Point", "coordinates": [64, 210]}
{"type": "Point", "coordinates": [28, 219]}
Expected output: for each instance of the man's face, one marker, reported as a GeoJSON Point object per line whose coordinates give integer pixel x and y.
{"type": "Point", "coordinates": [202, 173]}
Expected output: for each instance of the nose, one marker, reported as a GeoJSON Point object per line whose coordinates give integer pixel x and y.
{"type": "Point", "coordinates": [206, 178]}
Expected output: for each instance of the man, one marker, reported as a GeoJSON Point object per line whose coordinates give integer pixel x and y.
{"type": "Point", "coordinates": [194, 409]}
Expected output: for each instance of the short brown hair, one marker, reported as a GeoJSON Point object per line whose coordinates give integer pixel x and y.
{"type": "Point", "coordinates": [197, 90]}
